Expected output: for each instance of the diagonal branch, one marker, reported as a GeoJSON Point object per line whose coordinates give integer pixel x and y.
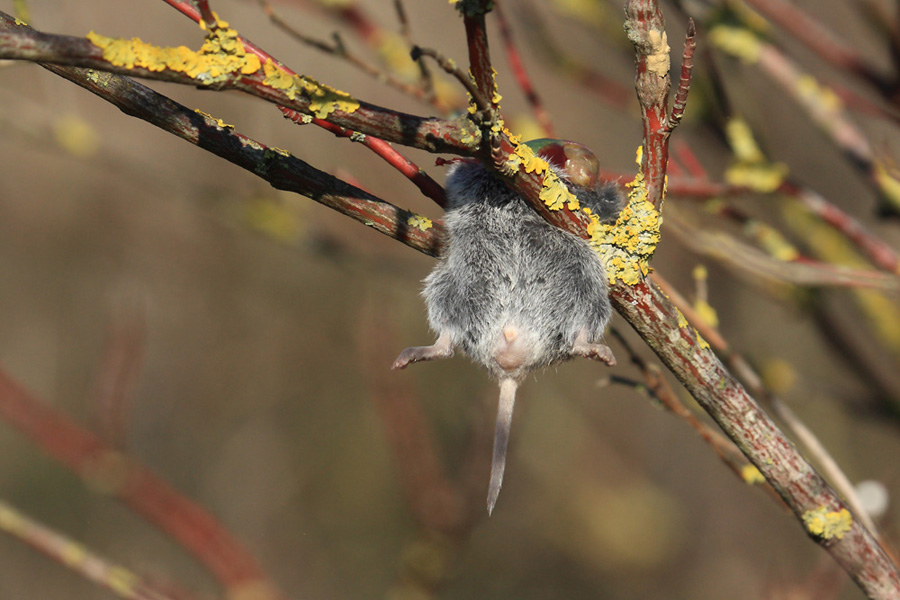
{"type": "Point", "coordinates": [270, 83]}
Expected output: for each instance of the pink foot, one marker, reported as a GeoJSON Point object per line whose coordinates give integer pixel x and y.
{"type": "Point", "coordinates": [600, 352]}
{"type": "Point", "coordinates": [440, 349]}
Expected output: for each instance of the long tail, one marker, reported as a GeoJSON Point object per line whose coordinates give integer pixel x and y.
{"type": "Point", "coordinates": [501, 439]}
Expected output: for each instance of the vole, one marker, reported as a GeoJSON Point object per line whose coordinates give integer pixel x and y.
{"type": "Point", "coordinates": [513, 292]}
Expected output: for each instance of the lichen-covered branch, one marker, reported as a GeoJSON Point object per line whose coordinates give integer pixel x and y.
{"type": "Point", "coordinates": [276, 166]}
{"type": "Point", "coordinates": [823, 513]}
{"type": "Point", "coordinates": [234, 68]}
{"type": "Point", "coordinates": [646, 30]}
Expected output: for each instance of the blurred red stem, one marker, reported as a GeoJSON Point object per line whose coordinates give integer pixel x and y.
{"type": "Point", "coordinates": [135, 485]}
{"type": "Point", "coordinates": [518, 71]}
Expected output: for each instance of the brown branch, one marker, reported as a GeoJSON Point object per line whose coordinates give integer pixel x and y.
{"type": "Point", "coordinates": [646, 30]}
{"type": "Point", "coordinates": [652, 315]}
{"type": "Point", "coordinates": [480, 66]}
{"type": "Point", "coordinates": [451, 68]}
{"type": "Point", "coordinates": [435, 135]}
{"type": "Point", "coordinates": [428, 186]}
{"type": "Point", "coordinates": [660, 389]}
{"type": "Point", "coordinates": [280, 169]}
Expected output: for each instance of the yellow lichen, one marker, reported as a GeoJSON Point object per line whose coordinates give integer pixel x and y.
{"type": "Point", "coordinates": [323, 100]}
{"type": "Point", "coordinates": [763, 177]}
{"type": "Point", "coordinates": [828, 524]}
{"type": "Point", "coordinates": [419, 222]}
{"type": "Point", "coordinates": [888, 183]}
{"type": "Point", "coordinates": [627, 245]}
{"type": "Point", "coordinates": [701, 341]}
{"type": "Point", "coordinates": [737, 41]}
{"type": "Point", "coordinates": [751, 475]}
{"type": "Point", "coordinates": [658, 58]}
{"type": "Point", "coordinates": [751, 168]}
{"type": "Point", "coordinates": [221, 55]}
{"type": "Point", "coordinates": [122, 581]}
{"type": "Point", "coordinates": [820, 97]}
{"type": "Point", "coordinates": [555, 194]}
{"type": "Point", "coordinates": [394, 51]}
{"type": "Point", "coordinates": [219, 122]}
{"type": "Point", "coordinates": [772, 241]}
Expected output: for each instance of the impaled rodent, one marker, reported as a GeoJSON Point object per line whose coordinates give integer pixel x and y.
{"type": "Point", "coordinates": [513, 292]}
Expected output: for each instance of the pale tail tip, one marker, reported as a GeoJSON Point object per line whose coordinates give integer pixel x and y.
{"type": "Point", "coordinates": [493, 494]}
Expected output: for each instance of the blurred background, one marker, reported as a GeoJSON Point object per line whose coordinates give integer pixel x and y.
{"type": "Point", "coordinates": [257, 329]}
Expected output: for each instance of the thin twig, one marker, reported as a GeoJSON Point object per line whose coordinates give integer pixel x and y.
{"type": "Point", "coordinates": [646, 30]}
{"type": "Point", "coordinates": [451, 68]}
{"type": "Point", "coordinates": [660, 389]}
{"type": "Point", "coordinates": [428, 186]}
{"type": "Point", "coordinates": [116, 378]}
{"type": "Point", "coordinates": [684, 82]}
{"type": "Point", "coordinates": [518, 69]}
{"type": "Point", "coordinates": [338, 49]}
{"type": "Point", "coordinates": [751, 378]}
{"type": "Point", "coordinates": [70, 554]}
{"type": "Point", "coordinates": [137, 487]}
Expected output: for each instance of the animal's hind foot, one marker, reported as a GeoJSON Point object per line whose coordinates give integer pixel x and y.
{"type": "Point", "coordinates": [440, 349]}
{"type": "Point", "coordinates": [601, 352]}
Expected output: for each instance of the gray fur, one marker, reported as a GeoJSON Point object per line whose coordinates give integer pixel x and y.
{"type": "Point", "coordinates": [513, 292]}
{"type": "Point", "coordinates": [505, 265]}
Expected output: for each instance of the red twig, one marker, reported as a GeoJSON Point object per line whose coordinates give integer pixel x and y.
{"type": "Point", "coordinates": [379, 147]}
{"type": "Point", "coordinates": [646, 30]}
{"type": "Point", "coordinates": [206, 14]}
{"type": "Point", "coordinates": [684, 82]}
{"type": "Point", "coordinates": [116, 378]}
{"type": "Point", "coordinates": [428, 186]}
{"type": "Point", "coordinates": [136, 486]}
{"type": "Point", "coordinates": [479, 54]}
{"type": "Point", "coordinates": [518, 70]}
